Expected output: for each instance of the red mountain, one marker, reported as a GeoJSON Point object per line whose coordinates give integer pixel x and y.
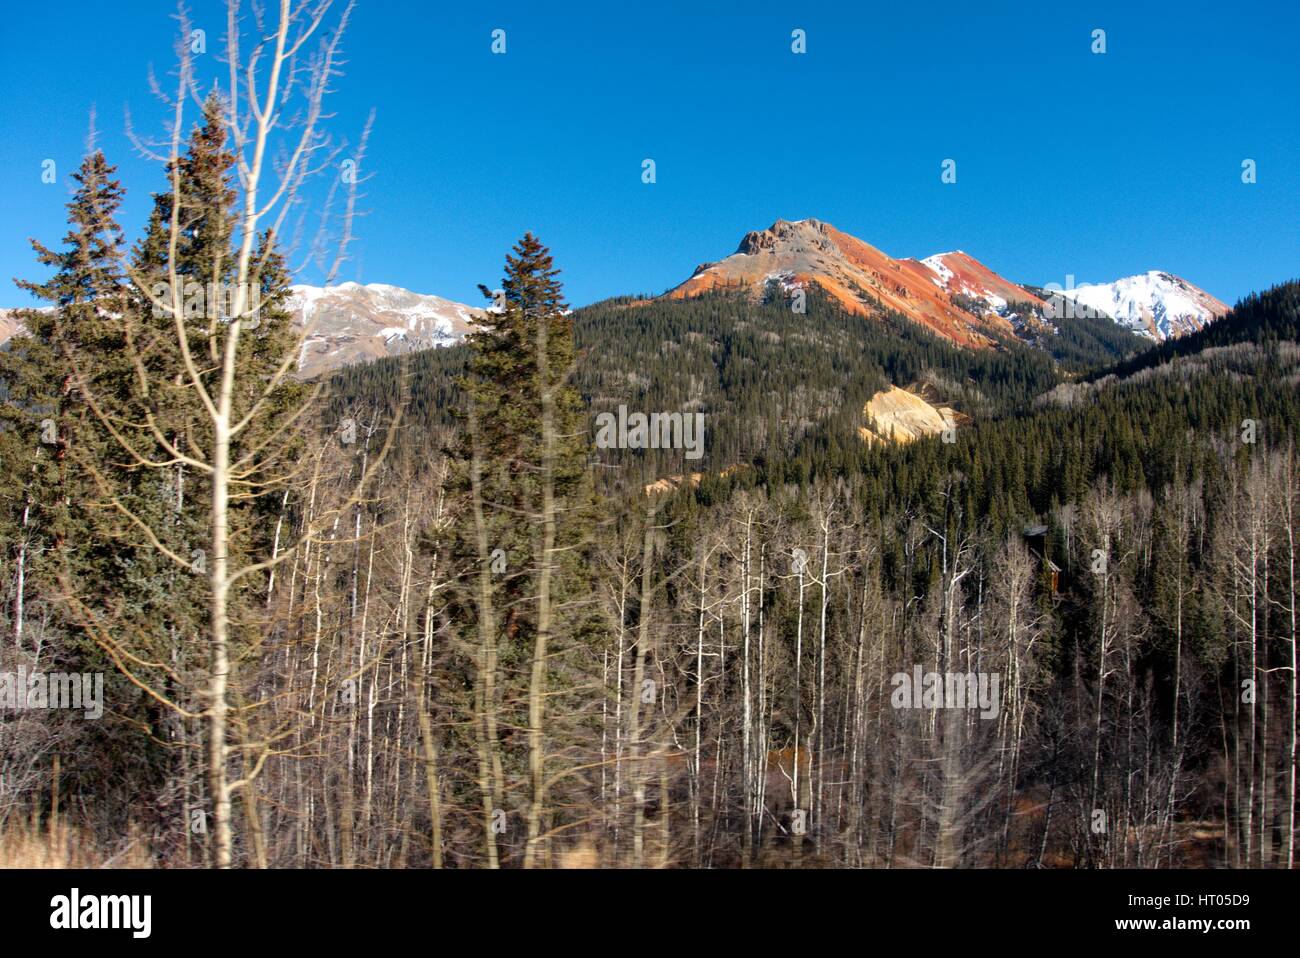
{"type": "Point", "coordinates": [864, 279]}
{"type": "Point", "coordinates": [861, 277]}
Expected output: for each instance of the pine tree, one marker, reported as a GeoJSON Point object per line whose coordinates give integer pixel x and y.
{"type": "Point", "coordinates": [200, 202]}
{"type": "Point", "coordinates": [63, 377]}
{"type": "Point", "coordinates": [47, 374]}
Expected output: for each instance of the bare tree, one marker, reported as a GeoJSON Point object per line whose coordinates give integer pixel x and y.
{"type": "Point", "coordinates": [272, 110]}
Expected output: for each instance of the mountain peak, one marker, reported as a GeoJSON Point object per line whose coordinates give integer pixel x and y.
{"type": "Point", "coordinates": [807, 233]}
{"type": "Point", "coordinates": [952, 294]}
{"type": "Point", "coordinates": [351, 323]}
{"type": "Point", "coordinates": [864, 280]}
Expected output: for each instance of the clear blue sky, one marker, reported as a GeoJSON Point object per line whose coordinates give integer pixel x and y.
{"type": "Point", "coordinates": [1068, 162]}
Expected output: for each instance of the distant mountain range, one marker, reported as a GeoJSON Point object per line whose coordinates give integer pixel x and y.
{"type": "Point", "coordinates": [953, 295]}
{"type": "Point", "coordinates": [351, 323]}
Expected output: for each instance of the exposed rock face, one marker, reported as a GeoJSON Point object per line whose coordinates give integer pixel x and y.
{"type": "Point", "coordinates": [805, 236]}
{"type": "Point", "coordinates": [669, 483]}
{"type": "Point", "coordinates": [900, 415]}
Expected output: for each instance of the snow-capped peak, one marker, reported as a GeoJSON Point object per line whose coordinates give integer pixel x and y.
{"type": "Point", "coordinates": [1155, 304]}
{"type": "Point", "coordinates": [349, 322]}
{"type": "Point", "coordinates": [958, 273]}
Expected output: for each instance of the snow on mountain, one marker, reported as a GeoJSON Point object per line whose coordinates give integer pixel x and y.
{"type": "Point", "coordinates": [943, 275]}
{"type": "Point", "coordinates": [351, 323]}
{"type": "Point", "coordinates": [961, 274]}
{"type": "Point", "coordinates": [1154, 304]}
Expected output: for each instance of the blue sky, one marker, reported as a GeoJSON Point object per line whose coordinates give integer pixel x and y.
{"type": "Point", "coordinates": [1068, 162]}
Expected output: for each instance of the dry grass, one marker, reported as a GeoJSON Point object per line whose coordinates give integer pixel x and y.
{"type": "Point", "coordinates": [583, 855]}
{"type": "Point", "coordinates": [25, 846]}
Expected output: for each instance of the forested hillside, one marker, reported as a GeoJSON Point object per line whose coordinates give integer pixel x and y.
{"type": "Point", "coordinates": [766, 377]}
{"type": "Point", "coordinates": [1119, 550]}
{"type": "Point", "coordinates": [419, 456]}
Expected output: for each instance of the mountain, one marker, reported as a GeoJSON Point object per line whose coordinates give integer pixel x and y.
{"type": "Point", "coordinates": [864, 280]}
{"type": "Point", "coordinates": [950, 294]}
{"type": "Point", "coordinates": [1269, 316]}
{"type": "Point", "coordinates": [1154, 304]}
{"type": "Point", "coordinates": [351, 323]}
{"type": "Point", "coordinates": [9, 324]}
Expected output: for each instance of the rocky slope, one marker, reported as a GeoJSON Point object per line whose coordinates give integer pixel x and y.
{"type": "Point", "coordinates": [351, 323]}
{"type": "Point", "coordinates": [859, 276]}
{"type": "Point", "coordinates": [975, 285]}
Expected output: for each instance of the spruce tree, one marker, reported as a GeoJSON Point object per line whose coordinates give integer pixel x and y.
{"type": "Point", "coordinates": [48, 373]}
{"type": "Point", "coordinates": [201, 199]}
{"type": "Point", "coordinates": [64, 378]}
{"type": "Point", "coordinates": [527, 507]}
{"type": "Point", "coordinates": [505, 387]}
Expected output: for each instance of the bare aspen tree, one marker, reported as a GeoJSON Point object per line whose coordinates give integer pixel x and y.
{"type": "Point", "coordinates": [274, 101]}
{"type": "Point", "coordinates": [635, 723]}
{"type": "Point", "coordinates": [546, 568]}
{"type": "Point", "coordinates": [1289, 494]}
{"type": "Point", "coordinates": [485, 691]}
